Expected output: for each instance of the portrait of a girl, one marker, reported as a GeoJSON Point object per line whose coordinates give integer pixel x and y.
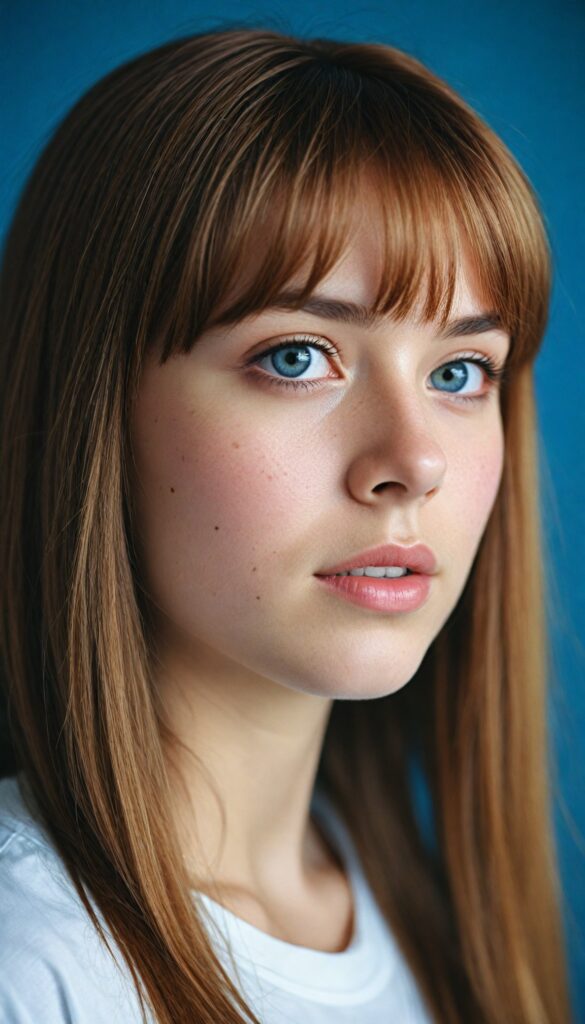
{"type": "Point", "coordinates": [270, 543]}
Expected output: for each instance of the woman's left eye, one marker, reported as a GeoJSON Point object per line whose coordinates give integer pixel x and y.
{"type": "Point", "coordinates": [293, 357]}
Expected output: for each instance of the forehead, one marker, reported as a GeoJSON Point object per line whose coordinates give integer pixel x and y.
{"type": "Point", "coordinates": [358, 276]}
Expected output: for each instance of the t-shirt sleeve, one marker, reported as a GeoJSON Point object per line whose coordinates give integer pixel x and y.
{"type": "Point", "coordinates": [54, 966]}
{"type": "Point", "coordinates": [55, 981]}
{"type": "Point", "coordinates": [33, 990]}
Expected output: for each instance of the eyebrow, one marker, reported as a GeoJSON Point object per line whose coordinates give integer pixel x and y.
{"type": "Point", "coordinates": [356, 314]}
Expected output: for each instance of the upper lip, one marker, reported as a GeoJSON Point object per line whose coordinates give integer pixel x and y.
{"type": "Point", "coordinates": [418, 558]}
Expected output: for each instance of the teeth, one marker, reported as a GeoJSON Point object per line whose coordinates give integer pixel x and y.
{"type": "Point", "coordinates": [388, 571]}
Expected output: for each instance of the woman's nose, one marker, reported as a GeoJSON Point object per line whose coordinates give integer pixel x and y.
{"type": "Point", "coordinates": [396, 447]}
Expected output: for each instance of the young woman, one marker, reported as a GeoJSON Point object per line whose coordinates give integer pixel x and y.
{"type": "Point", "coordinates": [270, 539]}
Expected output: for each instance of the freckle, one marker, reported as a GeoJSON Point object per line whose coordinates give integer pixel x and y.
{"type": "Point", "coordinates": [257, 597]}
{"type": "Point", "coordinates": [254, 569]}
{"type": "Point", "coordinates": [172, 490]}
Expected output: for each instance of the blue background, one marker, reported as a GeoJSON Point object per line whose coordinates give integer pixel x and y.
{"type": "Point", "coordinates": [521, 65]}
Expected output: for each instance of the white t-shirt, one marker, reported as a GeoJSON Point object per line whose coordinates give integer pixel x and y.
{"type": "Point", "coordinates": [54, 968]}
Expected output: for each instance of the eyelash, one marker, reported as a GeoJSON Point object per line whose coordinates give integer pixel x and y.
{"type": "Point", "coordinates": [495, 372]}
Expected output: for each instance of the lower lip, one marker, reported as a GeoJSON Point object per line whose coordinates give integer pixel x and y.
{"type": "Point", "coordinates": [402, 594]}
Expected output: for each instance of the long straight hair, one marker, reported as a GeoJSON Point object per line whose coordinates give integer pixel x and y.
{"type": "Point", "coordinates": [138, 217]}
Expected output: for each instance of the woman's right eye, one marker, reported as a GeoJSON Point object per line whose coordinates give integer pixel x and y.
{"type": "Point", "coordinates": [292, 357]}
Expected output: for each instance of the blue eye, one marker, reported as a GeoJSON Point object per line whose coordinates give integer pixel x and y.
{"type": "Point", "coordinates": [292, 357]}
{"type": "Point", "coordinates": [456, 375]}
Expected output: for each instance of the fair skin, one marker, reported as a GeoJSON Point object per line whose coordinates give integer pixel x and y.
{"type": "Point", "coordinates": [243, 492]}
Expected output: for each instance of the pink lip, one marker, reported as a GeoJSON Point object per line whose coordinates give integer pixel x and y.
{"type": "Point", "coordinates": [403, 594]}
{"type": "Point", "coordinates": [418, 558]}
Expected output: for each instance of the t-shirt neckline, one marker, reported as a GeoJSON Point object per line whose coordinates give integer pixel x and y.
{"type": "Point", "coordinates": [356, 973]}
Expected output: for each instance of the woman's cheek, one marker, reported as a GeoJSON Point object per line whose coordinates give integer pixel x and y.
{"type": "Point", "coordinates": [481, 477]}
{"type": "Point", "coordinates": [224, 495]}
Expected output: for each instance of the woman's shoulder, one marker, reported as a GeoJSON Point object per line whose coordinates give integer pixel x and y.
{"type": "Point", "coordinates": [34, 885]}
{"type": "Point", "coordinates": [53, 965]}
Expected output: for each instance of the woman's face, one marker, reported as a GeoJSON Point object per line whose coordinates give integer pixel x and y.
{"type": "Point", "coordinates": [245, 489]}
